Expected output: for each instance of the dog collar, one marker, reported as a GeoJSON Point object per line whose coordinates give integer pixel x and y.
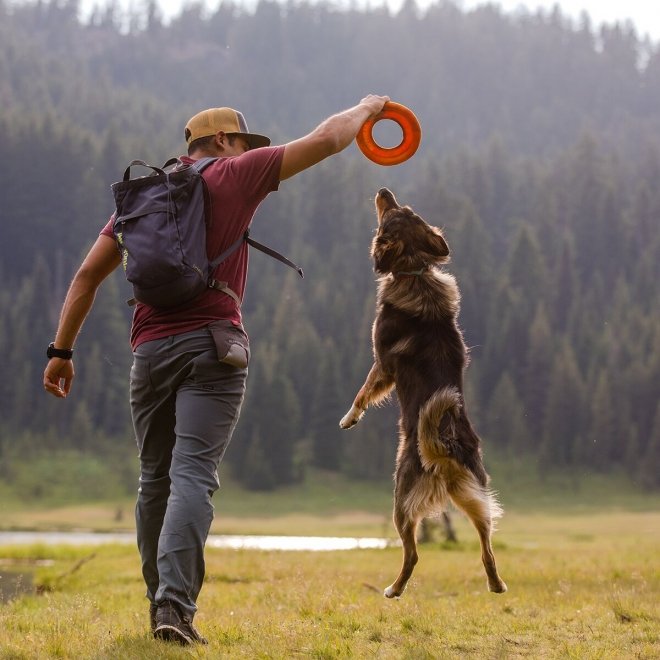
{"type": "Point", "coordinates": [412, 273]}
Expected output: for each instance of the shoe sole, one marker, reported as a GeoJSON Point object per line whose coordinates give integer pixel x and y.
{"type": "Point", "coordinates": [172, 634]}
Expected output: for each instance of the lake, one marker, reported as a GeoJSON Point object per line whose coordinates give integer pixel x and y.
{"type": "Point", "coordinates": [248, 542]}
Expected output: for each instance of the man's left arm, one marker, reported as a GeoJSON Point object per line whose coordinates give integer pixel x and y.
{"type": "Point", "coordinates": [101, 260]}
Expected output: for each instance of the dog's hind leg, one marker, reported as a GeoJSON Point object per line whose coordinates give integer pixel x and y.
{"type": "Point", "coordinates": [407, 528]}
{"type": "Point", "coordinates": [411, 499]}
{"type": "Point", "coordinates": [480, 506]}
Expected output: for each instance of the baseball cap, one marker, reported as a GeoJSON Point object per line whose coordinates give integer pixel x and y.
{"type": "Point", "coordinates": [209, 122]}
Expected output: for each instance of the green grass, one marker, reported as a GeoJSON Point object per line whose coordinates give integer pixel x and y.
{"type": "Point", "coordinates": [326, 504]}
{"type": "Point", "coordinates": [329, 504]}
{"type": "Point", "coordinates": [580, 558]}
{"type": "Point", "coordinates": [580, 586]}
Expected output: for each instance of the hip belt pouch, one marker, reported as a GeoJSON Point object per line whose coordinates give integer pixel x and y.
{"type": "Point", "coordinates": [231, 343]}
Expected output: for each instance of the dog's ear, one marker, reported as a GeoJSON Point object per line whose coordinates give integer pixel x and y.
{"type": "Point", "coordinates": [435, 244]}
{"type": "Point", "coordinates": [385, 251]}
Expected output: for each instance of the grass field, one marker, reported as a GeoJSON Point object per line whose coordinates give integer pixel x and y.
{"type": "Point", "coordinates": [584, 582]}
{"type": "Point", "coordinates": [327, 504]}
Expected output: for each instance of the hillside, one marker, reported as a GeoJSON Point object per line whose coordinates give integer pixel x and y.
{"type": "Point", "coordinates": [540, 158]}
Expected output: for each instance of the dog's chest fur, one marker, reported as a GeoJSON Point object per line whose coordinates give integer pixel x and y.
{"type": "Point", "coordinates": [415, 336]}
{"type": "Point", "coordinates": [434, 295]}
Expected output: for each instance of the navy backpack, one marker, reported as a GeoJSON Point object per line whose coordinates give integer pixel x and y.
{"type": "Point", "coordinates": [160, 228]}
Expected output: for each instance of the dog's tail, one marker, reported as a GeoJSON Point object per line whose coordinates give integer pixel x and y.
{"type": "Point", "coordinates": [437, 418]}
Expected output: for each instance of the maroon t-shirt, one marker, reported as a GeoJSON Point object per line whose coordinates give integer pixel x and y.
{"type": "Point", "coordinates": [237, 185]}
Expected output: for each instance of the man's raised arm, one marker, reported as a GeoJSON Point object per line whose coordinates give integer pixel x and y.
{"type": "Point", "coordinates": [330, 137]}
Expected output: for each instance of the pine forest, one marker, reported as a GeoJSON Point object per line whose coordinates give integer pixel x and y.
{"type": "Point", "coordinates": [540, 159]}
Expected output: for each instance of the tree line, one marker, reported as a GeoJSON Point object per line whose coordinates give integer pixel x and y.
{"type": "Point", "coordinates": [540, 159]}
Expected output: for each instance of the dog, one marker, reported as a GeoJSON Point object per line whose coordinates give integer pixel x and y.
{"type": "Point", "coordinates": [419, 350]}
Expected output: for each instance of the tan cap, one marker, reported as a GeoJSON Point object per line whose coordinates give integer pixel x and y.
{"type": "Point", "coordinates": [209, 122]}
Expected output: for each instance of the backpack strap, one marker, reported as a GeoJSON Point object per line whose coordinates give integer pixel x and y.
{"type": "Point", "coordinates": [223, 255]}
{"type": "Point", "coordinates": [259, 246]}
{"type": "Point", "coordinates": [127, 171]}
{"type": "Point", "coordinates": [223, 286]}
{"type": "Point", "coordinates": [272, 253]}
{"type": "Point", "coordinates": [200, 165]}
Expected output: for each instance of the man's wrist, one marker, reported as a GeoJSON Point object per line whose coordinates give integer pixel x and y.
{"type": "Point", "coordinates": [62, 353]}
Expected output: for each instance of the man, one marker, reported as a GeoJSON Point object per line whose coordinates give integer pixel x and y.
{"type": "Point", "coordinates": [188, 376]}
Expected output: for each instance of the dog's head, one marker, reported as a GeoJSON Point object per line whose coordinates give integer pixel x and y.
{"type": "Point", "coordinates": [404, 243]}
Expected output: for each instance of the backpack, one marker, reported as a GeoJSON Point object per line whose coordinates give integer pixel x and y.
{"type": "Point", "coordinates": [160, 228]}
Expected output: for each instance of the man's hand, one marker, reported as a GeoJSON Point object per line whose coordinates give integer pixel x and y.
{"type": "Point", "coordinates": [58, 377]}
{"type": "Point", "coordinates": [374, 103]}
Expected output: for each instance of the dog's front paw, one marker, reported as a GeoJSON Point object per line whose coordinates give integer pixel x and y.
{"type": "Point", "coordinates": [351, 418]}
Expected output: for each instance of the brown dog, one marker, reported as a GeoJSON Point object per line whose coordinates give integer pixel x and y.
{"type": "Point", "coordinates": [418, 348]}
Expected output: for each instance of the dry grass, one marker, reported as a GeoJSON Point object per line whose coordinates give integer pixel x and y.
{"type": "Point", "coordinates": [580, 586]}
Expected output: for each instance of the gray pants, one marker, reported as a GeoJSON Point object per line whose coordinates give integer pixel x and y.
{"type": "Point", "coordinates": [185, 405]}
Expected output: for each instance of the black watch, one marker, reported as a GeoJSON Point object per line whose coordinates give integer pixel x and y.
{"type": "Point", "coordinates": [64, 353]}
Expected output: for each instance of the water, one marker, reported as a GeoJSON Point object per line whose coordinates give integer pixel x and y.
{"type": "Point", "coordinates": [14, 583]}
{"type": "Point", "coordinates": [284, 543]}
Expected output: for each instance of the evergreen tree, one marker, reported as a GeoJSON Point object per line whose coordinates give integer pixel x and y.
{"type": "Point", "coordinates": [327, 437]}
{"type": "Point", "coordinates": [563, 417]}
{"type": "Point", "coordinates": [547, 194]}
{"type": "Point", "coordinates": [505, 420]}
{"type": "Point", "coordinates": [537, 369]}
{"type": "Point", "coordinates": [601, 436]}
{"type": "Point", "coordinates": [258, 472]}
{"type": "Point", "coordinates": [649, 466]}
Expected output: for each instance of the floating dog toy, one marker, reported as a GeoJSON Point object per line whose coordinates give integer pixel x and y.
{"type": "Point", "coordinates": [412, 135]}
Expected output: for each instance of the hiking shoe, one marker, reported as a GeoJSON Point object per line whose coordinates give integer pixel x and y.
{"type": "Point", "coordinates": [171, 626]}
{"type": "Point", "coordinates": [153, 608]}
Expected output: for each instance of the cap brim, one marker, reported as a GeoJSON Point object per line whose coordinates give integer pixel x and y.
{"type": "Point", "coordinates": [254, 140]}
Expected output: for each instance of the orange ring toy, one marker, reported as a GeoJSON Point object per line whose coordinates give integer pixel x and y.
{"type": "Point", "coordinates": [412, 135]}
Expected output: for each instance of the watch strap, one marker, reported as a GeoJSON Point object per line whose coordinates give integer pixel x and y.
{"type": "Point", "coordinates": [63, 353]}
